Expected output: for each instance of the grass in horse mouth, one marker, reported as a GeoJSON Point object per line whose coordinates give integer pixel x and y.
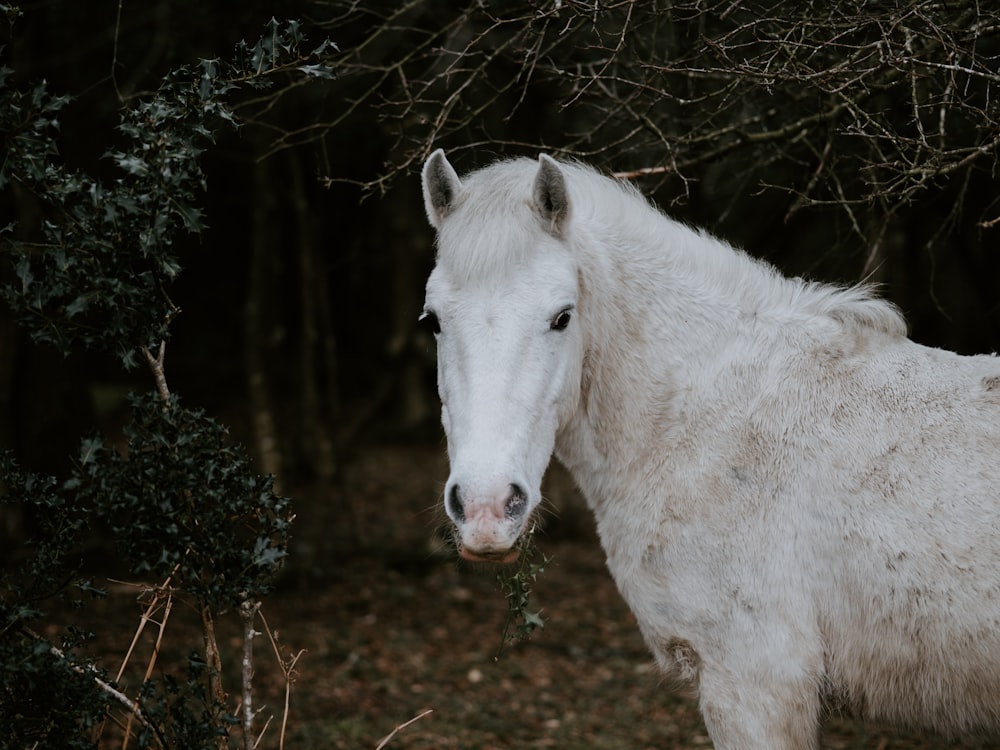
{"type": "Point", "coordinates": [520, 622]}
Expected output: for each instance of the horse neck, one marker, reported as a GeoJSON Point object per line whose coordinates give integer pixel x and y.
{"type": "Point", "coordinates": [662, 308]}
{"type": "Point", "coordinates": [656, 303]}
{"type": "Point", "coordinates": [666, 296]}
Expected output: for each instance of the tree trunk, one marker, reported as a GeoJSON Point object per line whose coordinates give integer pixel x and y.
{"type": "Point", "coordinates": [318, 445]}
{"type": "Point", "coordinates": [256, 318]}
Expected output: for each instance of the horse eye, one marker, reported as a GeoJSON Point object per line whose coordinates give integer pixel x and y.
{"type": "Point", "coordinates": [429, 321]}
{"type": "Point", "coordinates": [560, 321]}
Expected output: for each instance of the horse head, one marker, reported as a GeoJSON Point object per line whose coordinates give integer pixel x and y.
{"type": "Point", "coordinates": [503, 303]}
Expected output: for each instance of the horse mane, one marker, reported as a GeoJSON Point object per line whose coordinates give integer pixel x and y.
{"type": "Point", "coordinates": [500, 194]}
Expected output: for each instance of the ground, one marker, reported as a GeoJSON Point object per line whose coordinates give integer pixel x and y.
{"type": "Point", "coordinates": [392, 625]}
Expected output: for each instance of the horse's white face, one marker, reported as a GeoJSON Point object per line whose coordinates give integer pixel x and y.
{"type": "Point", "coordinates": [509, 348]}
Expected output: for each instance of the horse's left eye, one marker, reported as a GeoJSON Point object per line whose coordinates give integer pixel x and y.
{"type": "Point", "coordinates": [560, 321]}
{"type": "Point", "coordinates": [429, 321]}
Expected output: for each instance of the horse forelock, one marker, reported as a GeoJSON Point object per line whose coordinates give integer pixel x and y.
{"type": "Point", "coordinates": [494, 227]}
{"type": "Point", "coordinates": [491, 229]}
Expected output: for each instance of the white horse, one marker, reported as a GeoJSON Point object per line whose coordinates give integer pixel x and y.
{"type": "Point", "coordinates": [800, 505]}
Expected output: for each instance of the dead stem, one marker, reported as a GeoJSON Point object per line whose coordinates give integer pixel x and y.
{"type": "Point", "coordinates": [161, 627]}
{"type": "Point", "coordinates": [214, 662]}
{"type": "Point", "coordinates": [287, 669]}
{"type": "Point", "coordinates": [404, 725]}
{"type": "Point", "coordinates": [156, 366]}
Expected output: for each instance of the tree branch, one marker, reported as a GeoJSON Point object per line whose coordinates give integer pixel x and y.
{"type": "Point", "coordinates": [248, 612]}
{"type": "Point", "coordinates": [88, 671]}
{"type": "Point", "coordinates": [156, 367]}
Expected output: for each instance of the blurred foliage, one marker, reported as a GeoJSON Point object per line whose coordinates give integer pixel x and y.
{"type": "Point", "coordinates": [184, 506]}
{"type": "Point", "coordinates": [183, 503]}
{"type": "Point", "coordinates": [183, 709]}
{"type": "Point", "coordinates": [47, 695]}
{"type": "Point", "coordinates": [99, 276]}
{"type": "Point", "coordinates": [47, 700]}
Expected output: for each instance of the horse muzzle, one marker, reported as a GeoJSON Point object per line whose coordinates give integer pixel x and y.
{"type": "Point", "coordinates": [488, 523]}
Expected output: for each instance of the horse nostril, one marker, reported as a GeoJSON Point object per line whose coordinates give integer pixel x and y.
{"type": "Point", "coordinates": [454, 504]}
{"type": "Point", "coordinates": [517, 501]}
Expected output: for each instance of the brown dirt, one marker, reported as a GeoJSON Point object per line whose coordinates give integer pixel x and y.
{"type": "Point", "coordinates": [392, 626]}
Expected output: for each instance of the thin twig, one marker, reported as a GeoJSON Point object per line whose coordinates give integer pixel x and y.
{"type": "Point", "coordinates": [263, 731]}
{"type": "Point", "coordinates": [114, 53]}
{"type": "Point", "coordinates": [88, 671]}
{"type": "Point", "coordinates": [287, 669]}
{"type": "Point", "coordinates": [146, 617]}
{"type": "Point", "coordinates": [643, 172]}
{"type": "Point", "coordinates": [161, 627]}
{"type": "Point", "coordinates": [98, 731]}
{"type": "Point", "coordinates": [404, 725]}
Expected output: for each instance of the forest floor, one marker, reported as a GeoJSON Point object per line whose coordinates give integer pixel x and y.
{"type": "Point", "coordinates": [390, 626]}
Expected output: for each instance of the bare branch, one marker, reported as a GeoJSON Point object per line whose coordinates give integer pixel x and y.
{"type": "Point", "coordinates": [91, 673]}
{"type": "Point", "coordinates": [288, 670]}
{"type": "Point", "coordinates": [156, 367]}
{"type": "Point", "coordinates": [871, 108]}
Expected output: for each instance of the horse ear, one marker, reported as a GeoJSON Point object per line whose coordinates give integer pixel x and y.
{"type": "Point", "coordinates": [551, 197]}
{"type": "Point", "coordinates": [441, 186]}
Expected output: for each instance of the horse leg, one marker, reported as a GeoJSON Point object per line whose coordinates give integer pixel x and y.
{"type": "Point", "coordinates": [755, 711]}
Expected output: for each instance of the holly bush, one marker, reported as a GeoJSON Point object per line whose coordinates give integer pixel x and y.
{"type": "Point", "coordinates": [181, 501]}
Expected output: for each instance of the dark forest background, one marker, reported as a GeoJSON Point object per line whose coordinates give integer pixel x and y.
{"type": "Point", "coordinates": [840, 141]}
{"type": "Point", "coordinates": [839, 144]}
